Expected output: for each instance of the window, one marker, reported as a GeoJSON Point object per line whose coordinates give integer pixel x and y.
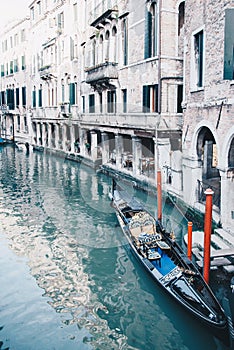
{"type": "Point", "coordinates": [151, 29]}
{"type": "Point", "coordinates": [3, 98]}
{"type": "Point", "coordinates": [111, 101]}
{"type": "Point", "coordinates": [181, 17]}
{"type": "Point", "coordinates": [23, 66]}
{"type": "Point", "coordinates": [100, 102]}
{"type": "Point", "coordinates": [72, 56]}
{"type": "Point", "coordinates": [83, 104]}
{"type": "Point", "coordinates": [179, 98]}
{"type": "Point", "coordinates": [24, 96]}
{"type": "Point", "coordinates": [125, 41]}
{"type": "Point", "coordinates": [61, 20]}
{"type": "Point", "coordinates": [16, 69]}
{"type": "Point", "coordinates": [2, 70]}
{"type": "Point", "coordinates": [23, 36]}
{"type": "Point", "coordinates": [16, 39]}
{"type": "Point", "coordinates": [107, 38]}
{"type": "Point", "coordinates": [40, 96]}
{"type": "Point", "coordinates": [18, 122]}
{"type": "Point", "coordinates": [92, 103]}
{"type": "Point", "coordinates": [229, 45]}
{"type": "Point", "coordinates": [75, 12]}
{"type": "Point", "coordinates": [32, 13]}
{"type": "Point", "coordinates": [11, 67]}
{"type": "Point", "coordinates": [124, 94]}
{"type": "Point", "coordinates": [10, 98]}
{"type": "Point", "coordinates": [34, 97]}
{"type": "Point", "coordinates": [17, 97]}
{"type": "Point", "coordinates": [39, 7]}
{"type": "Point", "coordinates": [198, 49]}
{"type": "Point", "coordinates": [11, 42]}
{"type": "Point", "coordinates": [150, 98]}
{"type": "Point", "coordinates": [72, 95]}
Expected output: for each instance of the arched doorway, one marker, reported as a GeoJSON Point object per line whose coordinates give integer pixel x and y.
{"type": "Point", "coordinates": [208, 157]}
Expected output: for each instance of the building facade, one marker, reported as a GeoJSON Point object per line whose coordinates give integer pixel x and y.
{"type": "Point", "coordinates": [132, 85]}
{"type": "Point", "coordinates": [208, 128]}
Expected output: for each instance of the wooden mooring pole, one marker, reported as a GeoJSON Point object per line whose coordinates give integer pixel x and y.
{"type": "Point", "coordinates": [207, 234]}
{"type": "Point", "coordinates": [159, 195]}
{"type": "Point", "coordinates": [189, 245]}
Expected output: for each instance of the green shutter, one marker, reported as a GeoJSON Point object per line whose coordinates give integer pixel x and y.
{"type": "Point", "coordinates": [148, 34]}
{"type": "Point", "coordinates": [72, 93]}
{"type": "Point", "coordinates": [229, 45]}
{"type": "Point", "coordinates": [146, 99]}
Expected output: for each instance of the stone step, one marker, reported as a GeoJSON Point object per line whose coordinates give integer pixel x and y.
{"type": "Point", "coordinates": [226, 236]}
{"type": "Point", "coordinates": [218, 243]}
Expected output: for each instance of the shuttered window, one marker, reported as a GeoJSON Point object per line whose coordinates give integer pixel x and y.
{"type": "Point", "coordinates": [72, 97]}
{"type": "Point", "coordinates": [24, 96]}
{"type": "Point", "coordinates": [150, 98]}
{"type": "Point", "coordinates": [34, 98]}
{"type": "Point", "coordinates": [92, 103]}
{"type": "Point", "coordinates": [17, 97]}
{"type": "Point", "coordinates": [40, 98]}
{"type": "Point", "coordinates": [229, 45]}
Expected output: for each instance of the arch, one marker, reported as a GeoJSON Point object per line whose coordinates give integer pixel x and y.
{"type": "Point", "coordinates": [231, 154]}
{"type": "Point", "coordinates": [225, 160]}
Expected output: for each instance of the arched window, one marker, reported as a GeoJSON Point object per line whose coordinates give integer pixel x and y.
{"type": "Point", "coordinates": [101, 48]}
{"type": "Point", "coordinates": [107, 38]}
{"type": "Point", "coordinates": [231, 155]}
{"type": "Point", "coordinates": [114, 46]}
{"type": "Point", "coordinates": [181, 16]}
{"type": "Point", "coordinates": [151, 29]}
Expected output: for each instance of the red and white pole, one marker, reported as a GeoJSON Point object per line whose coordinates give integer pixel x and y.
{"type": "Point", "coordinates": [207, 234]}
{"type": "Point", "coordinates": [189, 245]}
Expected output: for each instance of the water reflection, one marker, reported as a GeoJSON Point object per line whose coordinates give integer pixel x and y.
{"type": "Point", "coordinates": [57, 215]}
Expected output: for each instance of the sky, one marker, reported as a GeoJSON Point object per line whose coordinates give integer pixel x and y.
{"type": "Point", "coordinates": [13, 9]}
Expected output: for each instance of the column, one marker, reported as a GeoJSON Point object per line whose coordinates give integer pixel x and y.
{"type": "Point", "coordinates": [119, 149]}
{"type": "Point", "coordinates": [137, 154]}
{"type": "Point", "coordinates": [93, 145]}
{"type": "Point", "coordinates": [64, 136]}
{"type": "Point", "coordinates": [72, 133]}
{"type": "Point", "coordinates": [105, 148]}
{"type": "Point", "coordinates": [56, 136]}
{"type": "Point", "coordinates": [82, 141]}
{"type": "Point", "coordinates": [49, 134]}
{"type": "Point", "coordinates": [38, 131]}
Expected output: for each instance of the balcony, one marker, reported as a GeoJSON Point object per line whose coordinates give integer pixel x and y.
{"type": "Point", "coordinates": [100, 76]}
{"type": "Point", "coordinates": [126, 120]}
{"type": "Point", "coordinates": [47, 72]}
{"type": "Point", "coordinates": [105, 10]}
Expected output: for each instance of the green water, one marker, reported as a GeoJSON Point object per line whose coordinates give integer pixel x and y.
{"type": "Point", "coordinates": [67, 277]}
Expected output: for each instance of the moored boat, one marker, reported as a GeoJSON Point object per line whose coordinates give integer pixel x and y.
{"type": "Point", "coordinates": [166, 262]}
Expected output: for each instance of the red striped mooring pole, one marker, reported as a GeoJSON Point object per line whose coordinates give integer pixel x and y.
{"type": "Point", "coordinates": [207, 234]}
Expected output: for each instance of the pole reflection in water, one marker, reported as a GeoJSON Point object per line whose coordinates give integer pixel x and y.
{"type": "Point", "coordinates": [68, 279]}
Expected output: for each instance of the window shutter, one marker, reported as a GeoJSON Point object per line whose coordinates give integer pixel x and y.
{"type": "Point", "coordinates": [72, 93]}
{"type": "Point", "coordinates": [17, 96]}
{"type": "Point", "coordinates": [24, 96]}
{"type": "Point", "coordinates": [146, 99]}
{"type": "Point", "coordinates": [229, 45]}
{"type": "Point", "coordinates": [148, 34]}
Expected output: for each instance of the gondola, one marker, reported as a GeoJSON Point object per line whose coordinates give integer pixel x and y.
{"type": "Point", "coordinates": [166, 262]}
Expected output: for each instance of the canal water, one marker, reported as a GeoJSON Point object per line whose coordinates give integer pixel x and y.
{"type": "Point", "coordinates": [67, 277]}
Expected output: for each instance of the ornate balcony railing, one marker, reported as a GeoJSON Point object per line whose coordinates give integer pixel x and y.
{"type": "Point", "coordinates": [101, 73]}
